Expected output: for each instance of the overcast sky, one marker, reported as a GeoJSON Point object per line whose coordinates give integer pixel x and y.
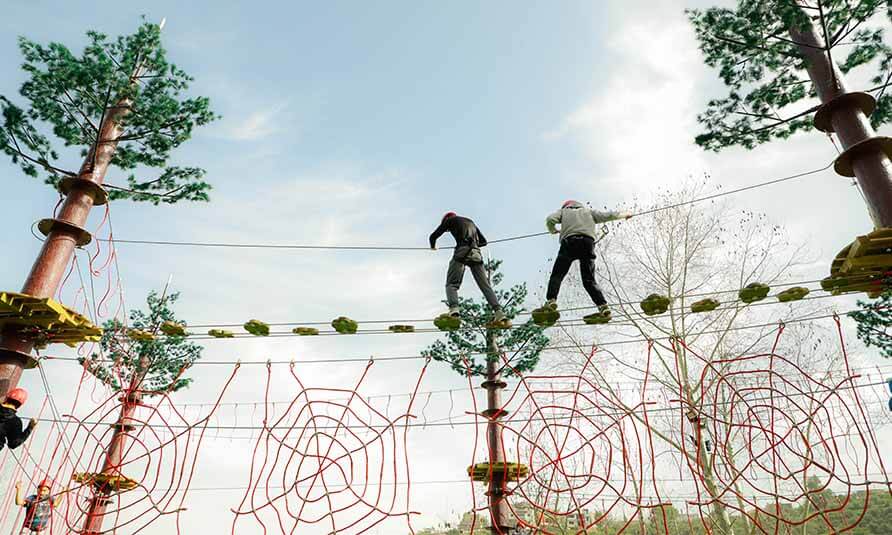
{"type": "Point", "coordinates": [349, 123]}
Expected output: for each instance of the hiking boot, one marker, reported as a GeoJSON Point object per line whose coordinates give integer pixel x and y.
{"type": "Point", "coordinates": [499, 321]}
{"type": "Point", "coordinates": [546, 315]}
{"type": "Point", "coordinates": [600, 317]}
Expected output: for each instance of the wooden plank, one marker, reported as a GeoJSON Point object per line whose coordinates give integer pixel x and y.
{"type": "Point", "coordinates": [868, 263]}
{"type": "Point", "coordinates": [865, 246]}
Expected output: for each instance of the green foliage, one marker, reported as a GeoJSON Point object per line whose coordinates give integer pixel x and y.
{"type": "Point", "coordinates": [128, 78]}
{"type": "Point", "coordinates": [523, 343]}
{"type": "Point", "coordinates": [764, 70]}
{"type": "Point", "coordinates": [151, 366]}
{"type": "Point", "coordinates": [874, 319]}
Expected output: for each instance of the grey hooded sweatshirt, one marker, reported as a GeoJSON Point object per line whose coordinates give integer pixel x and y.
{"type": "Point", "coordinates": [577, 220]}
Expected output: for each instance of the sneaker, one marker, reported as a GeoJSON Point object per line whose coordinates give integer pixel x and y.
{"type": "Point", "coordinates": [546, 315]}
{"type": "Point", "coordinates": [454, 312]}
{"type": "Point", "coordinates": [499, 321]}
{"type": "Point", "coordinates": [598, 318]}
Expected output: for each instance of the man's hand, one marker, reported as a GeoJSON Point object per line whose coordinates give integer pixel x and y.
{"type": "Point", "coordinates": [627, 215]}
{"type": "Point", "coordinates": [18, 485]}
{"type": "Point", "coordinates": [32, 423]}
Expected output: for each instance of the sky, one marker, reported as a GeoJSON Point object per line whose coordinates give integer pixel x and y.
{"type": "Point", "coordinates": [347, 123]}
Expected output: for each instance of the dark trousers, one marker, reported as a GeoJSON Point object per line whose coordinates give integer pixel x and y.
{"type": "Point", "coordinates": [580, 248]}
{"type": "Point", "coordinates": [454, 276]}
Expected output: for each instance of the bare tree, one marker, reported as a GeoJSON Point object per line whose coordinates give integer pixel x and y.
{"type": "Point", "coordinates": [696, 369]}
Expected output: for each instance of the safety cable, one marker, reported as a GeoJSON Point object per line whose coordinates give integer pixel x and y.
{"type": "Point", "coordinates": [388, 358]}
{"type": "Point", "coordinates": [399, 248]}
{"type": "Point", "coordinates": [528, 313]}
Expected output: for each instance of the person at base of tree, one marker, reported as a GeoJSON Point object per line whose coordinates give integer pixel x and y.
{"type": "Point", "coordinates": [11, 432]}
{"type": "Point", "coordinates": [577, 233]}
{"type": "Point", "coordinates": [468, 241]}
{"type": "Point", "coordinates": [38, 507]}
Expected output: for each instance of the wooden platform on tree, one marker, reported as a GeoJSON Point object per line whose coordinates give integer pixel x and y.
{"type": "Point", "coordinates": [509, 471]}
{"type": "Point", "coordinates": [863, 266]}
{"type": "Point", "coordinates": [106, 483]}
{"type": "Point", "coordinates": [46, 320]}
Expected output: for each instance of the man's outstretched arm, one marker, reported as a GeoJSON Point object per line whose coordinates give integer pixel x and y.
{"type": "Point", "coordinates": [437, 233]}
{"type": "Point", "coordinates": [551, 222]}
{"type": "Point", "coordinates": [15, 435]}
{"type": "Point", "coordinates": [604, 217]}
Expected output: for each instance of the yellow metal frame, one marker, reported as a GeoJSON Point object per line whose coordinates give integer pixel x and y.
{"type": "Point", "coordinates": [862, 266]}
{"type": "Point", "coordinates": [511, 471]}
{"type": "Point", "coordinates": [52, 321]}
{"type": "Point", "coordinates": [106, 482]}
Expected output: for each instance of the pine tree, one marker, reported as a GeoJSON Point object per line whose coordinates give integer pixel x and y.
{"type": "Point", "coordinates": [149, 366]}
{"type": "Point", "coordinates": [764, 69]}
{"type": "Point", "coordinates": [523, 344]}
{"type": "Point", "coordinates": [121, 96]}
{"type": "Point", "coordinates": [874, 319]}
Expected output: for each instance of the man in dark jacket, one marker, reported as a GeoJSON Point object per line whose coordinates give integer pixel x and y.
{"type": "Point", "coordinates": [468, 241]}
{"type": "Point", "coordinates": [11, 431]}
{"type": "Point", "coordinates": [578, 231]}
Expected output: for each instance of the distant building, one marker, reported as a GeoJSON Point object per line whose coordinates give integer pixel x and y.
{"type": "Point", "coordinates": [462, 528]}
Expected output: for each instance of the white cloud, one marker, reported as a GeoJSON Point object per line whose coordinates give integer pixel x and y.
{"type": "Point", "coordinates": [639, 125]}
{"type": "Point", "coordinates": [258, 124]}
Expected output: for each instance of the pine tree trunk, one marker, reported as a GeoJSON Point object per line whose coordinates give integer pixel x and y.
{"type": "Point", "coordinates": [58, 248]}
{"type": "Point", "coordinates": [872, 167]}
{"type": "Point", "coordinates": [112, 464]}
{"type": "Point", "coordinates": [494, 412]}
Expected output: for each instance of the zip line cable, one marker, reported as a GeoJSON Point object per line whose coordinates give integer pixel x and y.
{"type": "Point", "coordinates": [368, 332]}
{"type": "Point", "coordinates": [422, 357]}
{"type": "Point", "coordinates": [465, 481]}
{"type": "Point", "coordinates": [399, 248]}
{"type": "Point", "coordinates": [523, 313]}
{"type": "Point", "coordinates": [566, 383]}
{"type": "Point", "coordinates": [442, 422]}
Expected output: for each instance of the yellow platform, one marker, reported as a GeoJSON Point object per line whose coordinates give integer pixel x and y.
{"type": "Point", "coordinates": [50, 321]}
{"type": "Point", "coordinates": [106, 482]}
{"type": "Point", "coordinates": [511, 471]}
{"type": "Point", "coordinates": [862, 266]}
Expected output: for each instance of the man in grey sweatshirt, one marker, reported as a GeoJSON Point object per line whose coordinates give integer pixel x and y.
{"type": "Point", "coordinates": [578, 231]}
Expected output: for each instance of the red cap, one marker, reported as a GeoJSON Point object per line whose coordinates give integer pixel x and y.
{"type": "Point", "coordinates": [447, 215]}
{"type": "Point", "coordinates": [19, 395]}
{"type": "Point", "coordinates": [47, 483]}
{"type": "Point", "coordinates": [568, 203]}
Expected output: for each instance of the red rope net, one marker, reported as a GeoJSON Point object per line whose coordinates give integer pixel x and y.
{"type": "Point", "coordinates": [758, 439]}
{"type": "Point", "coordinates": [763, 426]}
{"type": "Point", "coordinates": [330, 461]}
{"type": "Point", "coordinates": [123, 476]}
